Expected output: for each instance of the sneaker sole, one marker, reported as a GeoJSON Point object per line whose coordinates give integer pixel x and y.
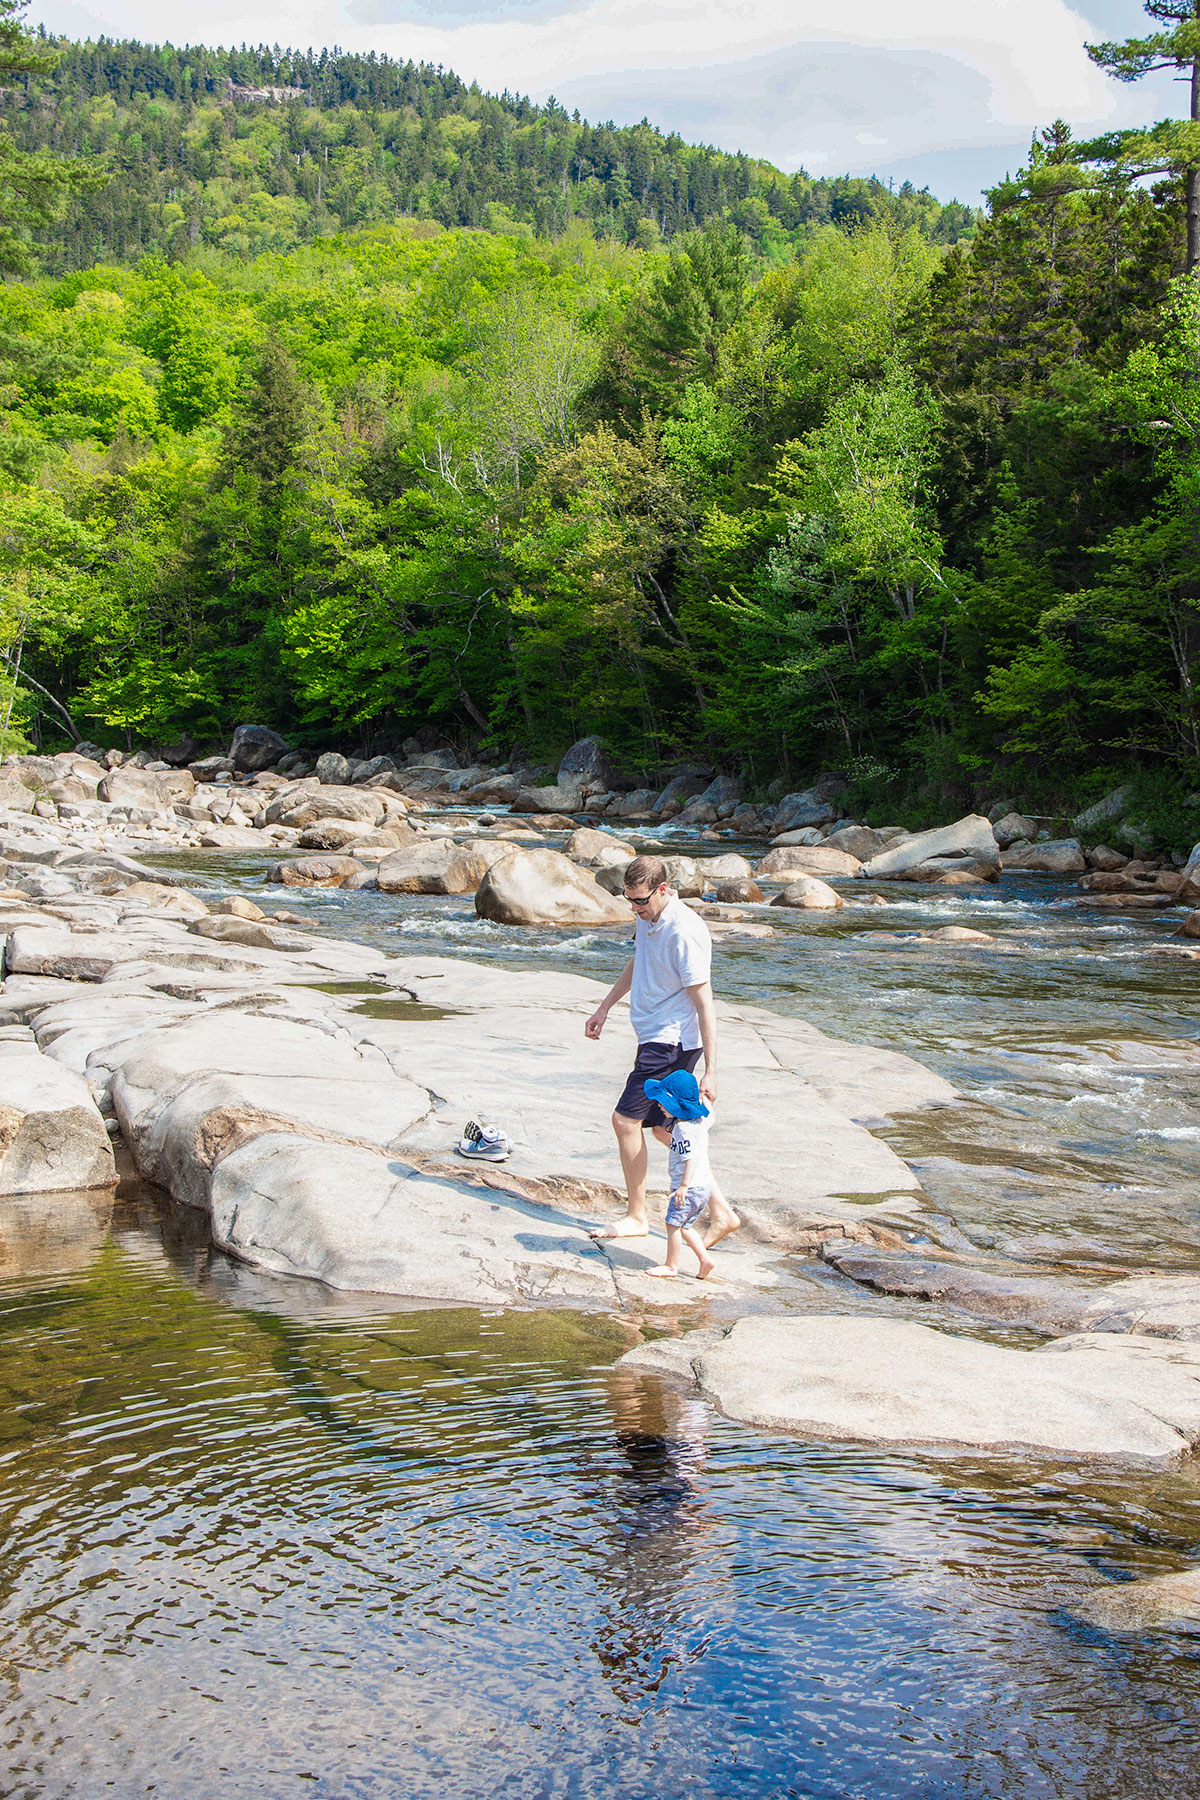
{"type": "Point", "coordinates": [473, 1155]}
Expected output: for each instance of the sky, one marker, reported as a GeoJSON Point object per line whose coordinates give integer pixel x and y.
{"type": "Point", "coordinates": [945, 93]}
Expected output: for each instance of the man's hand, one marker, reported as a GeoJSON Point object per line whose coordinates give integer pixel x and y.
{"type": "Point", "coordinates": [595, 1024]}
{"type": "Point", "coordinates": [708, 1088]}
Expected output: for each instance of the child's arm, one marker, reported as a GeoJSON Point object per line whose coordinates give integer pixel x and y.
{"type": "Point", "coordinates": [685, 1181]}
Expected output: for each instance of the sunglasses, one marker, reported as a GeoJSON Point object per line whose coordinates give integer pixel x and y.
{"type": "Point", "coordinates": [640, 899]}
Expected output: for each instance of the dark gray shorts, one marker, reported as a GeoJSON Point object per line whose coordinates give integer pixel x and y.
{"type": "Point", "coordinates": [652, 1063]}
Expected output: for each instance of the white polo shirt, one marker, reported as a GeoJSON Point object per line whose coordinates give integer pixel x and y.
{"type": "Point", "coordinates": [670, 955]}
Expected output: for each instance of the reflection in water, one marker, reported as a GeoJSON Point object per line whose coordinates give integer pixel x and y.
{"type": "Point", "coordinates": [274, 1550]}
{"type": "Point", "coordinates": [663, 1566]}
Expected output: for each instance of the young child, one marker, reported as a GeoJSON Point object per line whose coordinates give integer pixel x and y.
{"type": "Point", "coordinates": [687, 1169]}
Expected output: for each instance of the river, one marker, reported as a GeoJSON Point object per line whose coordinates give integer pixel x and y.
{"type": "Point", "coordinates": [261, 1540]}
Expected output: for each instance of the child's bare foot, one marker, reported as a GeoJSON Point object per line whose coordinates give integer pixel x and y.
{"type": "Point", "coordinates": [707, 1265]}
{"type": "Point", "coordinates": [620, 1228]}
{"type": "Point", "coordinates": [665, 1272]}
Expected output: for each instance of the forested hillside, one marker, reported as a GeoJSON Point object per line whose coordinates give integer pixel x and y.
{"type": "Point", "coordinates": [261, 150]}
{"type": "Point", "coordinates": [928, 513]}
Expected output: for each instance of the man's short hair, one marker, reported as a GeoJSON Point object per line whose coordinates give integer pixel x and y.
{"type": "Point", "coordinates": [650, 870]}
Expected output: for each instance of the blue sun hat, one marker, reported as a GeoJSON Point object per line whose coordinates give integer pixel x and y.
{"type": "Point", "coordinates": [677, 1094]}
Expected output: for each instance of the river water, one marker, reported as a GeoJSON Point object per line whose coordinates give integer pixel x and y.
{"type": "Point", "coordinates": [258, 1539]}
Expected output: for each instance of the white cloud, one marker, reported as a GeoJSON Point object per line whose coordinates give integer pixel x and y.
{"type": "Point", "coordinates": [794, 80]}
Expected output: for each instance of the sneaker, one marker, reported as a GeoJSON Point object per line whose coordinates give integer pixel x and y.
{"type": "Point", "coordinates": [484, 1143]}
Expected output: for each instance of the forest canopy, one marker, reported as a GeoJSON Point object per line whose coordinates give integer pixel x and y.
{"type": "Point", "coordinates": [718, 471]}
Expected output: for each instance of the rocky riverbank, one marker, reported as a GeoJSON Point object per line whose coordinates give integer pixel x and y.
{"type": "Point", "coordinates": [304, 1094]}
{"type": "Point", "coordinates": [425, 828]}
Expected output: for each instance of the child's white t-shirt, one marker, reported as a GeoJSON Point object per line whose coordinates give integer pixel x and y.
{"type": "Point", "coordinates": [689, 1142]}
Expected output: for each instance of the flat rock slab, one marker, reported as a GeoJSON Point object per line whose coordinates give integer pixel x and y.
{"type": "Point", "coordinates": [892, 1381]}
{"type": "Point", "coordinates": [512, 1048]}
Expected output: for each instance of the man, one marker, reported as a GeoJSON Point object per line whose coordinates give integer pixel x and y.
{"type": "Point", "coordinates": [671, 1010]}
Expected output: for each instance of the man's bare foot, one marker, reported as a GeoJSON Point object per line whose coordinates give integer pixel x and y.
{"type": "Point", "coordinates": [665, 1271]}
{"type": "Point", "coordinates": [706, 1268]}
{"type": "Point", "coordinates": [723, 1225]}
{"type": "Point", "coordinates": [621, 1228]}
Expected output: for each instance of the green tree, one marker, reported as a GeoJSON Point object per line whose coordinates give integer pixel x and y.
{"type": "Point", "coordinates": [33, 184]}
{"type": "Point", "coordinates": [1172, 146]}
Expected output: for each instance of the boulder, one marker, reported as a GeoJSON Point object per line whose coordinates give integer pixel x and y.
{"type": "Point", "coordinates": [316, 871]}
{"type": "Point", "coordinates": [805, 834]}
{"type": "Point", "coordinates": [959, 934]}
{"type": "Point", "coordinates": [634, 805]}
{"type": "Point", "coordinates": [686, 876]}
{"type": "Point", "coordinates": [808, 808]}
{"type": "Point", "coordinates": [333, 769]}
{"type": "Point", "coordinates": [894, 1381]}
{"type": "Point", "coordinates": [679, 791]}
{"type": "Point", "coordinates": [1188, 891]}
{"type": "Point", "coordinates": [802, 859]}
{"type": "Point", "coordinates": [301, 805]}
{"type": "Point", "coordinates": [237, 906]}
{"type": "Point", "coordinates": [1117, 881]}
{"type": "Point", "coordinates": [810, 895]}
{"type": "Point", "coordinates": [1113, 806]}
{"type": "Point", "coordinates": [375, 765]}
{"type": "Point", "coordinates": [1190, 928]}
{"type": "Point", "coordinates": [236, 931]}
{"type": "Point", "coordinates": [737, 893]}
{"type": "Point", "coordinates": [51, 1133]}
{"type": "Point", "coordinates": [339, 834]}
{"type": "Point", "coordinates": [209, 767]}
{"type": "Point", "coordinates": [952, 872]}
{"type": "Point", "coordinates": [588, 765]}
{"type": "Point", "coordinates": [611, 878]}
{"type": "Point", "coordinates": [697, 812]}
{"type": "Point", "coordinates": [255, 747]}
{"type": "Point", "coordinates": [174, 900]}
{"type": "Point", "coordinates": [597, 849]}
{"type": "Point", "coordinates": [968, 840]}
{"type": "Point", "coordinates": [144, 790]}
{"type": "Point", "coordinates": [862, 841]}
{"type": "Point", "coordinates": [541, 887]}
{"type": "Point", "coordinates": [14, 795]}
{"type": "Point", "coordinates": [1104, 859]}
{"type": "Point", "coordinates": [1060, 856]}
{"type": "Point", "coordinates": [724, 868]}
{"type": "Point", "coordinates": [1012, 826]}
{"type": "Point", "coordinates": [547, 800]}
{"type": "Point", "coordinates": [722, 794]}
{"type": "Point", "coordinates": [494, 790]}
{"type": "Point", "coordinates": [440, 866]}
{"type": "Point", "coordinates": [434, 759]}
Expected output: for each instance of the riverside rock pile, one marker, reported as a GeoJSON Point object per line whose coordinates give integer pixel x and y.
{"type": "Point", "coordinates": [356, 824]}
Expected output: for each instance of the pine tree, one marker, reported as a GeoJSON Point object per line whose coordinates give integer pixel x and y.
{"type": "Point", "coordinates": [33, 185]}
{"type": "Point", "coordinates": [1172, 146]}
